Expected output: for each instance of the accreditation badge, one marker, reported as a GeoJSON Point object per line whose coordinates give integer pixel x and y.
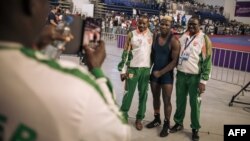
{"type": "Point", "coordinates": [185, 56]}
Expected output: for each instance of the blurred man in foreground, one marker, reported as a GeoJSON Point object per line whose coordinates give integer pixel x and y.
{"type": "Point", "coordinates": [43, 100]}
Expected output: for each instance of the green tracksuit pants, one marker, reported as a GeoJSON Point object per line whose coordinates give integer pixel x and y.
{"type": "Point", "coordinates": [187, 84]}
{"type": "Point", "coordinates": [136, 76]}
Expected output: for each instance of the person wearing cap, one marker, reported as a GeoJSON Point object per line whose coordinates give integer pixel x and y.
{"type": "Point", "coordinates": [135, 68]}
{"type": "Point", "coordinates": [165, 53]}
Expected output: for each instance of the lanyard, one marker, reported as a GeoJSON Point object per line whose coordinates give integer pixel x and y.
{"type": "Point", "coordinates": [188, 43]}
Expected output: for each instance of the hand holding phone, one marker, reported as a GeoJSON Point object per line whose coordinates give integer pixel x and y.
{"type": "Point", "coordinates": [87, 36]}
{"type": "Point", "coordinates": [92, 32]}
{"type": "Point", "coordinates": [95, 57]}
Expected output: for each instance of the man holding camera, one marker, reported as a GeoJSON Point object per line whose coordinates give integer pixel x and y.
{"type": "Point", "coordinates": [44, 100]}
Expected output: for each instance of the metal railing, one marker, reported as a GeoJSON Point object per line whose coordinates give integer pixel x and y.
{"type": "Point", "coordinates": [230, 66]}
{"type": "Point", "coordinates": [117, 40]}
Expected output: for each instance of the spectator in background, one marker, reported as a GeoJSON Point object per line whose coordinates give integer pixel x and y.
{"type": "Point", "coordinates": [59, 13]}
{"type": "Point", "coordinates": [193, 72]}
{"type": "Point", "coordinates": [124, 27]}
{"type": "Point", "coordinates": [115, 24]}
{"type": "Point", "coordinates": [103, 25]}
{"type": "Point", "coordinates": [183, 20]}
{"type": "Point", "coordinates": [133, 24]}
{"type": "Point", "coordinates": [134, 11]}
{"type": "Point", "coordinates": [106, 24]}
{"type": "Point", "coordinates": [163, 7]}
{"type": "Point", "coordinates": [52, 19]}
{"type": "Point", "coordinates": [138, 12]}
{"type": "Point", "coordinates": [44, 100]}
{"type": "Point", "coordinates": [178, 18]}
{"type": "Point", "coordinates": [111, 25]}
{"type": "Point", "coordinates": [151, 25]}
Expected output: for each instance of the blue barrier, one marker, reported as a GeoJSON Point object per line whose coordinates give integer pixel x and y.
{"type": "Point", "coordinates": [121, 39]}
{"type": "Point", "coordinates": [236, 60]}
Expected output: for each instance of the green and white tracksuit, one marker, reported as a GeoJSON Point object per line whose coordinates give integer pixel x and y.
{"type": "Point", "coordinates": [194, 67]}
{"type": "Point", "coordinates": [43, 100]}
{"type": "Point", "coordinates": [136, 63]}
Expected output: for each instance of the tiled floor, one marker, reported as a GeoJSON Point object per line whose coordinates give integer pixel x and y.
{"type": "Point", "coordinates": [215, 112]}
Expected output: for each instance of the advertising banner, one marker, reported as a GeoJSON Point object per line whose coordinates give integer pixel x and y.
{"type": "Point", "coordinates": [242, 9]}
